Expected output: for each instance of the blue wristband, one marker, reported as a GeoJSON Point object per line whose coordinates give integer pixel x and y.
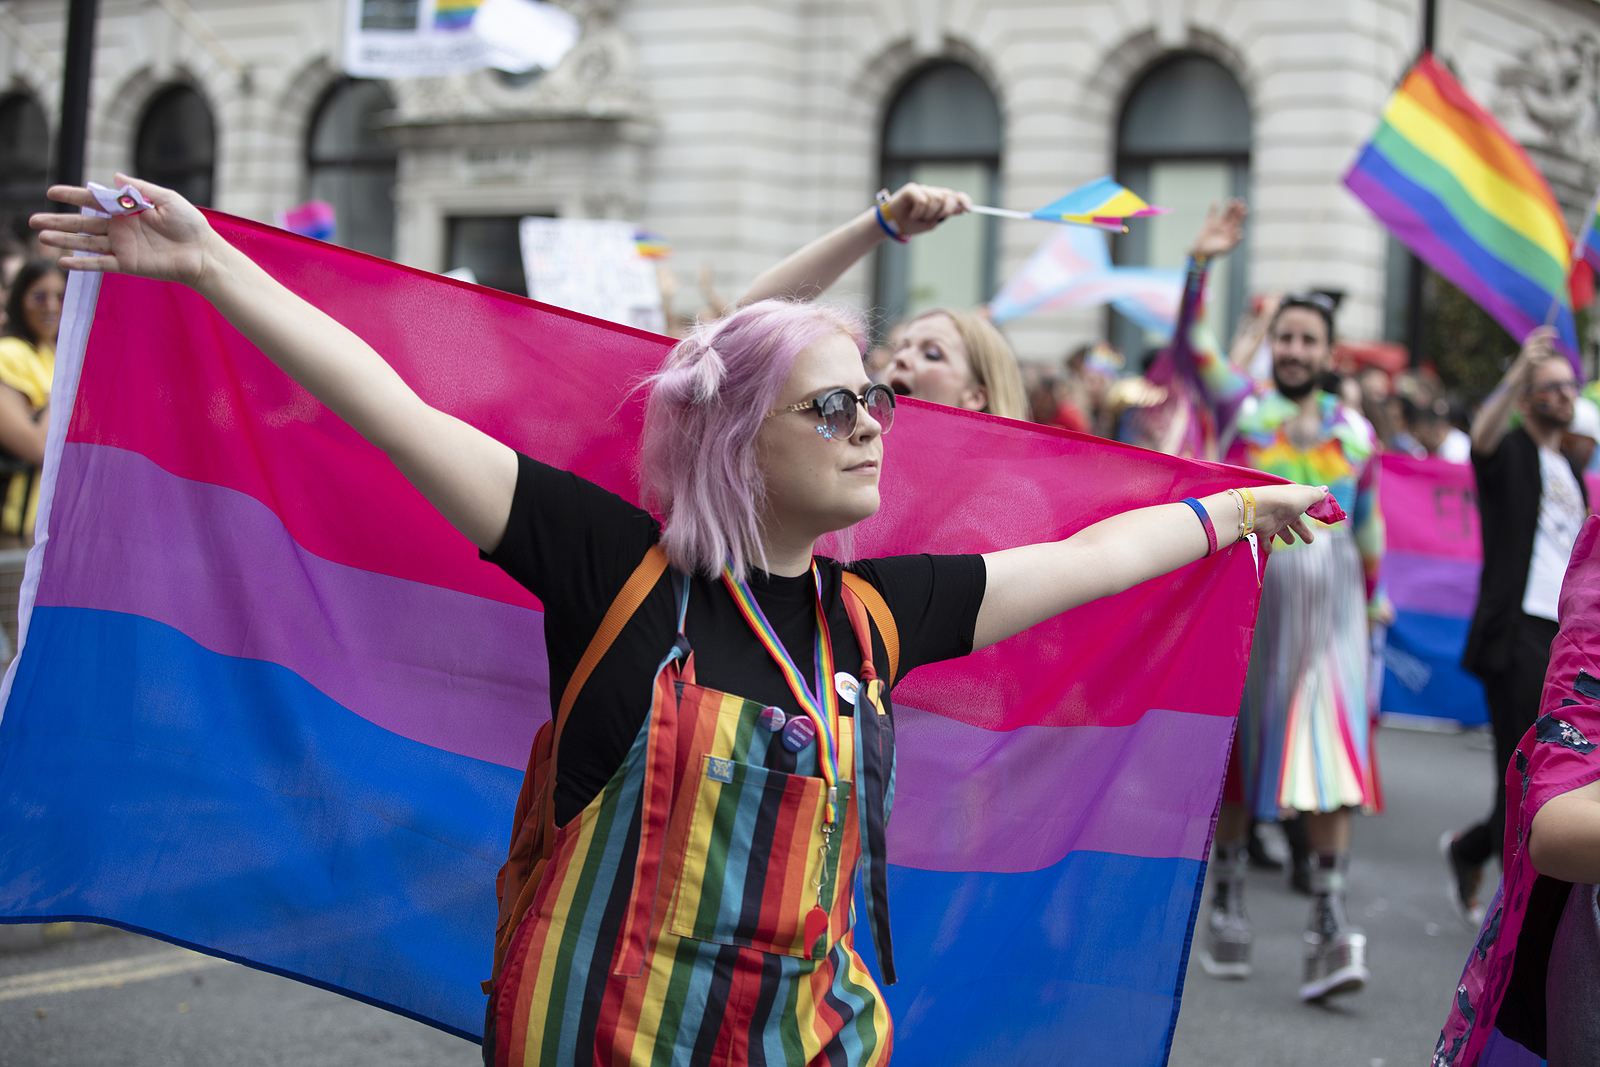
{"type": "Point", "coordinates": [1205, 521]}
{"type": "Point", "coordinates": [883, 224]}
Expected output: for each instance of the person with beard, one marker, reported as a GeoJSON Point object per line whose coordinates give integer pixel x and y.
{"type": "Point", "coordinates": [1303, 738]}
{"type": "Point", "coordinates": [1533, 502]}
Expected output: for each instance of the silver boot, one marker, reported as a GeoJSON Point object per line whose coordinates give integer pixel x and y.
{"type": "Point", "coordinates": [1226, 951]}
{"type": "Point", "coordinates": [1336, 953]}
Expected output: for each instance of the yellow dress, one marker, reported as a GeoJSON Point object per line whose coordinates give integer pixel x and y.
{"type": "Point", "coordinates": [29, 371]}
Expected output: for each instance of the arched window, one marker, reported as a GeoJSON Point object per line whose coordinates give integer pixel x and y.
{"type": "Point", "coordinates": [350, 163]}
{"type": "Point", "coordinates": [1183, 143]}
{"type": "Point", "coordinates": [943, 128]}
{"type": "Point", "coordinates": [177, 144]}
{"type": "Point", "coordinates": [24, 155]}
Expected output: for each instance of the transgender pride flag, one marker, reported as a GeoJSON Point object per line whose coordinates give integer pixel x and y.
{"type": "Point", "coordinates": [271, 706]}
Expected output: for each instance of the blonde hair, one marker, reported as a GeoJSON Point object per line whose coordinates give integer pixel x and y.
{"type": "Point", "coordinates": [992, 363]}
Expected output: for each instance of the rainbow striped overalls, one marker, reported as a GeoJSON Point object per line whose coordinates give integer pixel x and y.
{"type": "Point", "coordinates": [669, 926]}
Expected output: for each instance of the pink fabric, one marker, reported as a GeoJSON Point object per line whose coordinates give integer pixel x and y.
{"type": "Point", "coordinates": [1431, 507]}
{"type": "Point", "coordinates": [1560, 754]}
{"type": "Point", "coordinates": [994, 483]}
{"type": "Point", "coordinates": [1327, 510]}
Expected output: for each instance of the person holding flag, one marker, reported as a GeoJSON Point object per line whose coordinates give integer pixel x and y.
{"type": "Point", "coordinates": [1303, 739]}
{"type": "Point", "coordinates": [728, 767]}
{"type": "Point", "coordinates": [944, 355]}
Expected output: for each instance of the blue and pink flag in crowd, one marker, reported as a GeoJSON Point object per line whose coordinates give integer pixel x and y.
{"type": "Point", "coordinates": [1430, 509]}
{"type": "Point", "coordinates": [269, 704]}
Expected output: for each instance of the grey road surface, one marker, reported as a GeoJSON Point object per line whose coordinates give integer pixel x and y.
{"type": "Point", "coordinates": [118, 999]}
{"type": "Point", "coordinates": [1415, 943]}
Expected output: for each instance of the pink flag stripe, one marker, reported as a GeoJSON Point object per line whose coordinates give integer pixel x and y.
{"type": "Point", "coordinates": [457, 672]}
{"type": "Point", "coordinates": [1439, 502]}
{"type": "Point", "coordinates": [968, 799]}
{"type": "Point", "coordinates": [996, 483]}
{"type": "Point", "coordinates": [573, 404]}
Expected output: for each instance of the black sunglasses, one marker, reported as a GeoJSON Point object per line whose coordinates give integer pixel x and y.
{"type": "Point", "coordinates": [837, 409]}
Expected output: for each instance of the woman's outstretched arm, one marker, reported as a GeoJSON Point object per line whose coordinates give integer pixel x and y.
{"type": "Point", "coordinates": [806, 274]}
{"type": "Point", "coordinates": [1028, 585]}
{"type": "Point", "coordinates": [466, 474]}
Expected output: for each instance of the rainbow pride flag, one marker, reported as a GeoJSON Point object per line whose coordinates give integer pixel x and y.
{"type": "Point", "coordinates": [270, 705]}
{"type": "Point", "coordinates": [454, 14]}
{"type": "Point", "coordinates": [1454, 187]}
{"type": "Point", "coordinates": [1431, 567]}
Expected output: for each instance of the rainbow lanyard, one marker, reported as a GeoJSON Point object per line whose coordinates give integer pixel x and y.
{"type": "Point", "coordinates": [825, 719]}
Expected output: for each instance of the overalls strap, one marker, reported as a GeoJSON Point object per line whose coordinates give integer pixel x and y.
{"type": "Point", "coordinates": [874, 763]}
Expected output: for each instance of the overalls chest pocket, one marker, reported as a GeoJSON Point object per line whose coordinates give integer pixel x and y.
{"type": "Point", "coordinates": [755, 856]}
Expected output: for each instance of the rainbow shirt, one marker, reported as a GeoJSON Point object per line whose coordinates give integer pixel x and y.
{"type": "Point", "coordinates": [1341, 459]}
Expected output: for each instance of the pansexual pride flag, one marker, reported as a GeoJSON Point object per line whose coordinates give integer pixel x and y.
{"type": "Point", "coordinates": [1454, 187]}
{"type": "Point", "coordinates": [1430, 509]}
{"type": "Point", "coordinates": [270, 705]}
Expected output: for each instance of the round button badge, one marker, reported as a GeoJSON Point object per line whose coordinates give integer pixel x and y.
{"type": "Point", "coordinates": [773, 718]}
{"type": "Point", "coordinates": [845, 684]}
{"type": "Point", "coordinates": [798, 733]}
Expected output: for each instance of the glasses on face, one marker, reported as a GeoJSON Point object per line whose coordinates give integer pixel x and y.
{"type": "Point", "coordinates": [837, 409]}
{"type": "Point", "coordinates": [1551, 388]}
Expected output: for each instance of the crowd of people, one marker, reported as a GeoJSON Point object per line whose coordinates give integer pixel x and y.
{"type": "Point", "coordinates": [739, 549]}
{"type": "Point", "coordinates": [1287, 398]}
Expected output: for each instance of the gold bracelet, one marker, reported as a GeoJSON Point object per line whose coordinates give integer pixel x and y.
{"type": "Point", "coordinates": [1238, 500]}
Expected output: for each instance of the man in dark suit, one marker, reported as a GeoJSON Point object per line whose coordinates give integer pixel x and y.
{"type": "Point", "coordinates": [1532, 501]}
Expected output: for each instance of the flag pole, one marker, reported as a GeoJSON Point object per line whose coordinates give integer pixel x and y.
{"type": "Point", "coordinates": [1002, 213]}
{"type": "Point", "coordinates": [1007, 213]}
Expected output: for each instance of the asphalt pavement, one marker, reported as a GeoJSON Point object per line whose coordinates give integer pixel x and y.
{"type": "Point", "coordinates": [1416, 945]}
{"type": "Point", "coordinates": [74, 997]}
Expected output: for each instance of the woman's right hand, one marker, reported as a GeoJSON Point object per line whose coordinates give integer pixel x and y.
{"type": "Point", "coordinates": [919, 208]}
{"type": "Point", "coordinates": [169, 242]}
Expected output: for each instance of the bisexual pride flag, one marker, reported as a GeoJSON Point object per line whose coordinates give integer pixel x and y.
{"type": "Point", "coordinates": [1435, 552]}
{"type": "Point", "coordinates": [270, 705]}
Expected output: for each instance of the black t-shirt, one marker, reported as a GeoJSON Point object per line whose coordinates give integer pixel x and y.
{"type": "Point", "coordinates": [573, 545]}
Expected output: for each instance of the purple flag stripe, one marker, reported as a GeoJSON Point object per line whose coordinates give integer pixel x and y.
{"type": "Point", "coordinates": [458, 672]}
{"type": "Point", "coordinates": [1433, 585]}
{"type": "Point", "coordinates": [969, 799]}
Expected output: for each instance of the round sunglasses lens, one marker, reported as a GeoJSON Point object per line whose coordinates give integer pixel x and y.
{"type": "Point", "coordinates": [880, 405]}
{"type": "Point", "coordinates": [838, 410]}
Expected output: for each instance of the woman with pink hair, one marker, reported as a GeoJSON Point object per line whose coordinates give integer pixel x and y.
{"type": "Point", "coordinates": [729, 765]}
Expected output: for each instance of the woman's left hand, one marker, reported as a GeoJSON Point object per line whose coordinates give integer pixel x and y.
{"type": "Point", "coordinates": [1281, 509]}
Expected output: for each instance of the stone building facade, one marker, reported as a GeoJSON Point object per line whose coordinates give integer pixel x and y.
{"type": "Point", "coordinates": [739, 129]}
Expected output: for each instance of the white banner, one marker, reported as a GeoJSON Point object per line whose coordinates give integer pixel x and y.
{"type": "Point", "coordinates": [592, 266]}
{"type": "Point", "coordinates": [432, 38]}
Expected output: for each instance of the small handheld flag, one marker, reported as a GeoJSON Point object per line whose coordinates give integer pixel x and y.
{"type": "Point", "coordinates": [651, 245]}
{"type": "Point", "coordinates": [1101, 203]}
{"type": "Point", "coordinates": [314, 218]}
{"type": "Point", "coordinates": [1587, 247]}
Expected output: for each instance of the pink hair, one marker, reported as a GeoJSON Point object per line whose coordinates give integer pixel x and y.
{"type": "Point", "coordinates": [698, 453]}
